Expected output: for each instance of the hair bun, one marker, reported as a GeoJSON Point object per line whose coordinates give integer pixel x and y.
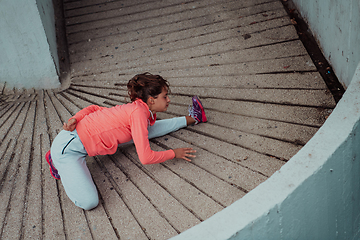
{"type": "Point", "coordinates": [142, 86]}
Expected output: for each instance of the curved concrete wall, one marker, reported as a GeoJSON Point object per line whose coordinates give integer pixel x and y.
{"type": "Point", "coordinates": [47, 15]}
{"type": "Point", "coordinates": [314, 196]}
{"type": "Point", "coordinates": [335, 24]}
{"type": "Point", "coordinates": [28, 56]}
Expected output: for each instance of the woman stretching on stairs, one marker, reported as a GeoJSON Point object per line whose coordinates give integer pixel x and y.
{"type": "Point", "coordinates": [99, 130]}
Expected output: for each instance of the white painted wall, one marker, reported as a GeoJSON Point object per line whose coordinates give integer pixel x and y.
{"type": "Point", "coordinates": [28, 52]}
{"type": "Point", "coordinates": [336, 26]}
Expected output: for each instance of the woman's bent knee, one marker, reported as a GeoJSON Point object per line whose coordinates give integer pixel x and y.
{"type": "Point", "coordinates": [88, 204]}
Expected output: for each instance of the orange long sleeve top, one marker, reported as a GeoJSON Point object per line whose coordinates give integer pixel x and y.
{"type": "Point", "coordinates": [102, 129]}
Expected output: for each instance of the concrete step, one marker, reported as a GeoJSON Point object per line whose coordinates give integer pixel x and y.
{"type": "Point", "coordinates": [186, 29]}
{"type": "Point", "coordinates": [161, 22]}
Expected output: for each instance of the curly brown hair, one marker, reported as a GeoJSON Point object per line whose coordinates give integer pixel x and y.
{"type": "Point", "coordinates": [145, 85]}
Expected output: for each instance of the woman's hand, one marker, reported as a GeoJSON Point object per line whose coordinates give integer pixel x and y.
{"type": "Point", "coordinates": [70, 125]}
{"type": "Point", "coordinates": [184, 153]}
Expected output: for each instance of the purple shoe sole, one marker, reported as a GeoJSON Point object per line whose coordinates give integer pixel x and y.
{"type": "Point", "coordinates": [197, 111]}
{"type": "Point", "coordinates": [53, 171]}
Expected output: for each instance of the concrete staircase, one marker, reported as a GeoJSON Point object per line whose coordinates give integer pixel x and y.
{"type": "Point", "coordinates": [263, 97]}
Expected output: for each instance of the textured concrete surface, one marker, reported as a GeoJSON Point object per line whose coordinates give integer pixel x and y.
{"type": "Point", "coordinates": [263, 97]}
{"type": "Point", "coordinates": [320, 182]}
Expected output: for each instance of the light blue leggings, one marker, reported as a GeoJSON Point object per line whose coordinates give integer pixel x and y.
{"type": "Point", "coordinates": [68, 155]}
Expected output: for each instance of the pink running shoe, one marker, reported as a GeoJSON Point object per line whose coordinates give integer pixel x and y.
{"type": "Point", "coordinates": [53, 171]}
{"type": "Point", "coordinates": [196, 111]}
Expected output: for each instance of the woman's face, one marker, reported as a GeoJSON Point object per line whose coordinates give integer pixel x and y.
{"type": "Point", "coordinates": [160, 103]}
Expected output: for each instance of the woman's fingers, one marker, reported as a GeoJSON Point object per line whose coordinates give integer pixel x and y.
{"type": "Point", "coordinates": [189, 150]}
{"type": "Point", "coordinates": [68, 127]}
{"type": "Point", "coordinates": [184, 153]}
{"type": "Point", "coordinates": [187, 155]}
{"type": "Point", "coordinates": [190, 155]}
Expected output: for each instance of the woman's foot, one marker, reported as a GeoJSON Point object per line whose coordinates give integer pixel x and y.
{"type": "Point", "coordinates": [53, 171]}
{"type": "Point", "coordinates": [196, 111]}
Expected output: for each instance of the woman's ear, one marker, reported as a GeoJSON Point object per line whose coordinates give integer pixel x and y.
{"type": "Point", "coordinates": [150, 101]}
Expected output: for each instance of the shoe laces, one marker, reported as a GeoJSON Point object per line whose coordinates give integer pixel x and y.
{"type": "Point", "coordinates": [194, 114]}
